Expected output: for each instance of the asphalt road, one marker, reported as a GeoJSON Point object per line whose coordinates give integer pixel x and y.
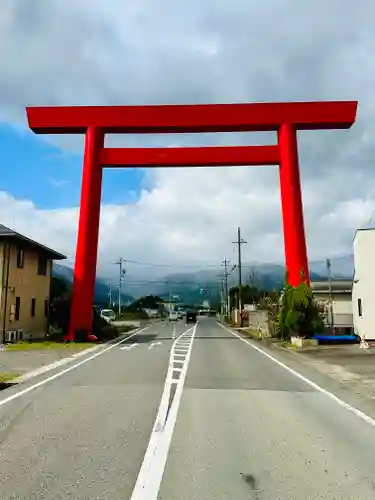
{"type": "Point", "coordinates": [216, 419]}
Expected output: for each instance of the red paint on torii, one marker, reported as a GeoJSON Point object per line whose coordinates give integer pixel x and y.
{"type": "Point", "coordinates": [96, 121]}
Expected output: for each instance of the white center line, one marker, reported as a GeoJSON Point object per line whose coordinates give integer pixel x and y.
{"type": "Point", "coordinates": [150, 475]}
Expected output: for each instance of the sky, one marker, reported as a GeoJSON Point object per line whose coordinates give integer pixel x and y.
{"type": "Point", "coordinates": [96, 52]}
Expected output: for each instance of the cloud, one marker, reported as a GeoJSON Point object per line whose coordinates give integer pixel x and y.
{"type": "Point", "coordinates": [58, 182]}
{"type": "Point", "coordinates": [147, 51]}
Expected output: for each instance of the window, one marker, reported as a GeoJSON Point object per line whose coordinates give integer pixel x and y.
{"type": "Point", "coordinates": [360, 308]}
{"type": "Point", "coordinates": [46, 308]}
{"type": "Point", "coordinates": [18, 307]}
{"type": "Point", "coordinates": [33, 302]}
{"type": "Point", "coordinates": [20, 257]}
{"type": "Point", "coordinates": [42, 265]}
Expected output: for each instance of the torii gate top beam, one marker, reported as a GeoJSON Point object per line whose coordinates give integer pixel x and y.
{"type": "Point", "coordinates": [249, 117]}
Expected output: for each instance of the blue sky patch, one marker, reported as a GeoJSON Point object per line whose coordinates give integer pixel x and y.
{"type": "Point", "coordinates": [33, 169]}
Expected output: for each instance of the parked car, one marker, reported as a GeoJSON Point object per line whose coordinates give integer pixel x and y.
{"type": "Point", "coordinates": [173, 316]}
{"type": "Point", "coordinates": [108, 315]}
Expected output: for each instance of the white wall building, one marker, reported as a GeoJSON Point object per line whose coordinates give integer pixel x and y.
{"type": "Point", "coordinates": [336, 299]}
{"type": "Point", "coordinates": [363, 296]}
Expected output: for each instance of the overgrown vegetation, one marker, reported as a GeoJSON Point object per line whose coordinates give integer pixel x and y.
{"type": "Point", "coordinates": [252, 295]}
{"type": "Point", "coordinates": [61, 297]}
{"type": "Point", "coordinates": [299, 314]}
{"type": "Point", "coordinates": [6, 377]}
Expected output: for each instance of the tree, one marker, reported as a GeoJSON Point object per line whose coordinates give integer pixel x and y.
{"type": "Point", "coordinates": [250, 294]}
{"type": "Point", "coordinates": [59, 315]}
{"type": "Point", "coordinates": [299, 314]}
{"type": "Point", "coordinates": [60, 298]}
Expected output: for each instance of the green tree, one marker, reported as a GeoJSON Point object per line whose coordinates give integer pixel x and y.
{"type": "Point", "coordinates": [249, 294]}
{"type": "Point", "coordinates": [299, 314]}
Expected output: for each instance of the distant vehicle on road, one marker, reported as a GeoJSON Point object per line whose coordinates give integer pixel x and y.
{"type": "Point", "coordinates": [108, 315]}
{"type": "Point", "coordinates": [191, 317]}
{"type": "Point", "coordinates": [173, 316]}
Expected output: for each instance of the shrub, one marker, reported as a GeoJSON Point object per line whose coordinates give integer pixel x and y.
{"type": "Point", "coordinates": [299, 314]}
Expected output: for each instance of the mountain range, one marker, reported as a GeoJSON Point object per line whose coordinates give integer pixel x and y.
{"type": "Point", "coordinates": [101, 285]}
{"type": "Point", "coordinates": [196, 285]}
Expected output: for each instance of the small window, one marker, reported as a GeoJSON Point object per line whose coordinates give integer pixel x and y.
{"type": "Point", "coordinates": [33, 302]}
{"type": "Point", "coordinates": [18, 308]}
{"type": "Point", "coordinates": [20, 257]}
{"type": "Point", "coordinates": [42, 265]}
{"type": "Point", "coordinates": [46, 308]}
{"type": "Point", "coordinates": [360, 308]}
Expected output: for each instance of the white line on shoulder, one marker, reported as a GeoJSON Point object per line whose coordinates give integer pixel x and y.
{"type": "Point", "coordinates": [317, 387]}
{"type": "Point", "coordinates": [63, 372]}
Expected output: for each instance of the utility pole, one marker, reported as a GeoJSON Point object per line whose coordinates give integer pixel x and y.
{"type": "Point", "coordinates": [225, 264]}
{"type": "Point", "coordinates": [122, 273]}
{"type": "Point", "coordinates": [110, 296]}
{"type": "Point", "coordinates": [328, 262]}
{"type": "Point", "coordinates": [239, 242]}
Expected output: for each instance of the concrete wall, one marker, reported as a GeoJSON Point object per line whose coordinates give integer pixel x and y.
{"type": "Point", "coordinates": [259, 320]}
{"type": "Point", "coordinates": [26, 284]}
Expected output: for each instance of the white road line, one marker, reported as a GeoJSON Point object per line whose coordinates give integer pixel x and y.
{"type": "Point", "coordinates": [63, 372]}
{"type": "Point", "coordinates": [129, 347]}
{"type": "Point", "coordinates": [153, 344]}
{"type": "Point", "coordinates": [151, 472]}
{"type": "Point", "coordinates": [317, 387]}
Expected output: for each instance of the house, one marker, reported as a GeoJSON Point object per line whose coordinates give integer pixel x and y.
{"type": "Point", "coordinates": [364, 284]}
{"type": "Point", "coordinates": [338, 294]}
{"type": "Point", "coordinates": [25, 276]}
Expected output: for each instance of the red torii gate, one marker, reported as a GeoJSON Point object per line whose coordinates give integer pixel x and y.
{"type": "Point", "coordinates": [96, 121]}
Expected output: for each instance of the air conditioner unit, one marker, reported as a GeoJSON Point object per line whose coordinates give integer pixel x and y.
{"type": "Point", "coordinates": [11, 336]}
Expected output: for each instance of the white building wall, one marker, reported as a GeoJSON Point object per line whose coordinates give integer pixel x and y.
{"type": "Point", "coordinates": [363, 295]}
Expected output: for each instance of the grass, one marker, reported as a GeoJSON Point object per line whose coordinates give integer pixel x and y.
{"type": "Point", "coordinates": [46, 345]}
{"type": "Point", "coordinates": [8, 376]}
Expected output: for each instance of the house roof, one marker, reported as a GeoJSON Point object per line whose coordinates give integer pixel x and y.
{"type": "Point", "coordinates": [7, 233]}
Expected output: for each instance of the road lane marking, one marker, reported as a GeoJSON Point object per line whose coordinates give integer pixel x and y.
{"type": "Point", "coordinates": [153, 344]}
{"type": "Point", "coordinates": [317, 387]}
{"type": "Point", "coordinates": [67, 370]}
{"type": "Point", "coordinates": [151, 472]}
{"type": "Point", "coordinates": [129, 347]}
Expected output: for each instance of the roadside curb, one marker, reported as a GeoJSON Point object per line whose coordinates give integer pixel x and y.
{"type": "Point", "coordinates": [61, 362]}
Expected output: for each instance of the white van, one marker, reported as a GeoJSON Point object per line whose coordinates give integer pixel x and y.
{"type": "Point", "coordinates": [173, 316]}
{"type": "Point", "coordinates": [108, 315]}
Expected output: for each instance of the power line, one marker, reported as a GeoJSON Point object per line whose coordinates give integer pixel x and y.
{"type": "Point", "coordinates": [176, 266]}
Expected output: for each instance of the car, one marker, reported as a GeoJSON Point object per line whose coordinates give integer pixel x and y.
{"type": "Point", "coordinates": [108, 315]}
{"type": "Point", "coordinates": [173, 316]}
{"type": "Point", "coordinates": [191, 317]}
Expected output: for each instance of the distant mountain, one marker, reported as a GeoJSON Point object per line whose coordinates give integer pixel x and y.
{"type": "Point", "coordinates": [341, 267]}
{"type": "Point", "coordinates": [196, 286]}
{"type": "Point", "coordinates": [101, 287]}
